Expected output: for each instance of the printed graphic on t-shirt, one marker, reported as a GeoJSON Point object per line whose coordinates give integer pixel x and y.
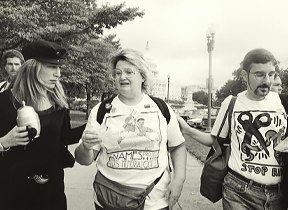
{"type": "Point", "coordinates": [258, 133]}
{"type": "Point", "coordinates": [136, 141]}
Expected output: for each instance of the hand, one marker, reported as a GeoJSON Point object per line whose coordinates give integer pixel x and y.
{"type": "Point", "coordinates": [173, 193]}
{"type": "Point", "coordinates": [90, 138]}
{"type": "Point", "coordinates": [16, 137]}
{"type": "Point", "coordinates": [182, 124]}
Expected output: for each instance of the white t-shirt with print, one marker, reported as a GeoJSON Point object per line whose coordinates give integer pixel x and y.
{"type": "Point", "coordinates": [138, 154]}
{"type": "Point", "coordinates": [254, 129]}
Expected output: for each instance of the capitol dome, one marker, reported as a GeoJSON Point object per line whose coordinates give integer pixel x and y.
{"type": "Point", "coordinates": [152, 65]}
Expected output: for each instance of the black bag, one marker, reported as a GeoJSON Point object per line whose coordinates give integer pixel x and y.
{"type": "Point", "coordinates": [216, 164]}
{"type": "Point", "coordinates": [114, 196]}
{"type": "Point", "coordinates": [67, 159]}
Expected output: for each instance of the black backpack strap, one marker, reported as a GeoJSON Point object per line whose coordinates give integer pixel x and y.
{"type": "Point", "coordinates": [163, 107]}
{"type": "Point", "coordinates": [165, 112]}
{"type": "Point", "coordinates": [104, 108]}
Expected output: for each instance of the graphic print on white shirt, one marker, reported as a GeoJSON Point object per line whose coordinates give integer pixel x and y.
{"type": "Point", "coordinates": [136, 136]}
{"type": "Point", "coordinates": [257, 130]}
{"type": "Point", "coordinates": [257, 127]}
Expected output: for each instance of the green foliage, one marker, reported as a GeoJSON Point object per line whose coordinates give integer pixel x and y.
{"type": "Point", "coordinates": [201, 97]}
{"type": "Point", "coordinates": [76, 25]}
{"type": "Point", "coordinates": [196, 149]}
{"type": "Point", "coordinates": [62, 21]}
{"type": "Point", "coordinates": [284, 79]}
{"type": "Point", "coordinates": [231, 87]}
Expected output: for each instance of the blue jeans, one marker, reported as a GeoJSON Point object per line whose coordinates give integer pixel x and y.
{"type": "Point", "coordinates": [240, 195]}
{"type": "Point", "coordinates": [100, 208]}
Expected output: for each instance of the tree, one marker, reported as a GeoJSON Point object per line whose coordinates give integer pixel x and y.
{"type": "Point", "coordinates": [201, 97]}
{"type": "Point", "coordinates": [61, 21]}
{"type": "Point", "coordinates": [76, 25]}
{"type": "Point", "coordinates": [284, 79]}
{"type": "Point", "coordinates": [231, 87]}
{"type": "Point", "coordinates": [89, 68]}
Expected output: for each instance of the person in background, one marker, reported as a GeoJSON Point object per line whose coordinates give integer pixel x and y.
{"type": "Point", "coordinates": [131, 74]}
{"type": "Point", "coordinates": [253, 181]}
{"type": "Point", "coordinates": [11, 61]}
{"type": "Point", "coordinates": [277, 84]}
{"type": "Point", "coordinates": [32, 168]}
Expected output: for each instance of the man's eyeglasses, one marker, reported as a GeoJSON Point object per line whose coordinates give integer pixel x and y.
{"type": "Point", "coordinates": [129, 73]}
{"type": "Point", "coordinates": [260, 76]}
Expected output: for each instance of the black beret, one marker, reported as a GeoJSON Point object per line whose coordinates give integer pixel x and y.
{"type": "Point", "coordinates": [44, 51]}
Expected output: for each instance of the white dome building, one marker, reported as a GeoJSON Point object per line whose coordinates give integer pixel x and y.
{"type": "Point", "coordinates": [159, 88]}
{"type": "Point", "coordinates": [152, 65]}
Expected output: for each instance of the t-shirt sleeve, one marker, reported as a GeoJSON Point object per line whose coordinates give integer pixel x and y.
{"type": "Point", "coordinates": [174, 134]}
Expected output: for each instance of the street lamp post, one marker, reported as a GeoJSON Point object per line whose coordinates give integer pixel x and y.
{"type": "Point", "coordinates": [210, 33]}
{"type": "Point", "coordinates": [168, 77]}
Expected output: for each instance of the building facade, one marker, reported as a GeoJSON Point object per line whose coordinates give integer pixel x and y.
{"type": "Point", "coordinates": [159, 88]}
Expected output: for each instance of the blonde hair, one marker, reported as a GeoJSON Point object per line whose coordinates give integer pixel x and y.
{"type": "Point", "coordinates": [137, 59]}
{"type": "Point", "coordinates": [28, 87]}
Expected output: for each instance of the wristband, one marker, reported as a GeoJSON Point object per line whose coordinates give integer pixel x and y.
{"type": "Point", "coordinates": [3, 149]}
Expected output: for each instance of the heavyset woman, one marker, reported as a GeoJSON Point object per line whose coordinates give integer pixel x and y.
{"type": "Point", "coordinates": [131, 142]}
{"type": "Point", "coordinates": [32, 171]}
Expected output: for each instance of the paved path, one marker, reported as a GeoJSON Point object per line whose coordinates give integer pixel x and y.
{"type": "Point", "coordinates": [79, 188]}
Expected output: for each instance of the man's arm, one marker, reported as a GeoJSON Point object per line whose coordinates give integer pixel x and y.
{"type": "Point", "coordinates": [191, 133]}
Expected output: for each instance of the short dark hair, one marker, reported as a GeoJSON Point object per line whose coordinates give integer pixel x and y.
{"type": "Point", "coordinates": [258, 55]}
{"type": "Point", "coordinates": [11, 54]}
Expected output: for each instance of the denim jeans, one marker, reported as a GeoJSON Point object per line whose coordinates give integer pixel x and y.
{"type": "Point", "coordinates": [239, 195]}
{"type": "Point", "coordinates": [100, 208]}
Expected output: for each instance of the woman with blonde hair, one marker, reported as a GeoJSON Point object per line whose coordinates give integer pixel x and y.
{"type": "Point", "coordinates": [134, 164]}
{"type": "Point", "coordinates": [32, 167]}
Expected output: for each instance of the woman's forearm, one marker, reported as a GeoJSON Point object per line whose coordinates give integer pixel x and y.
{"type": "Point", "coordinates": [179, 158]}
{"type": "Point", "coordinates": [84, 155]}
{"type": "Point", "coordinates": [204, 138]}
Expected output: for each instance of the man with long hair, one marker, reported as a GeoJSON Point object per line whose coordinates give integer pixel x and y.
{"type": "Point", "coordinates": [11, 61]}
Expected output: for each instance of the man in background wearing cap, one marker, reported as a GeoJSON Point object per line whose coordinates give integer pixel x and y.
{"type": "Point", "coordinates": [257, 126]}
{"type": "Point", "coordinates": [11, 60]}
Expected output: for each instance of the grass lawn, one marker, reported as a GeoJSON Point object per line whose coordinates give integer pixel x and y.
{"type": "Point", "coordinates": [77, 118]}
{"type": "Point", "coordinates": [196, 149]}
{"type": "Point", "coordinates": [193, 147]}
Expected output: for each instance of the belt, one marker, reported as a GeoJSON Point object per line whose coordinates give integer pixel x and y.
{"type": "Point", "coordinates": [253, 183]}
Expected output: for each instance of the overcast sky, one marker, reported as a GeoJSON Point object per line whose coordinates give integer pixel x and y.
{"type": "Point", "coordinates": [176, 33]}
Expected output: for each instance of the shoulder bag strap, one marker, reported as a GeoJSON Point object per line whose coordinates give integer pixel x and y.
{"type": "Point", "coordinates": [228, 111]}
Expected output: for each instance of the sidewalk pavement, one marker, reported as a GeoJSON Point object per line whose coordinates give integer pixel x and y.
{"type": "Point", "coordinates": [79, 189]}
